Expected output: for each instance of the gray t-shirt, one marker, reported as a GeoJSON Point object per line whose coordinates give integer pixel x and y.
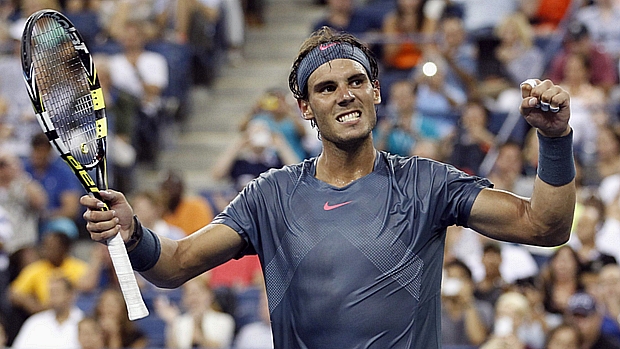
{"type": "Point", "coordinates": [358, 266]}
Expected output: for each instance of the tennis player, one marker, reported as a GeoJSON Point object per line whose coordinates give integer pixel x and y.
{"type": "Point", "coordinates": [351, 242]}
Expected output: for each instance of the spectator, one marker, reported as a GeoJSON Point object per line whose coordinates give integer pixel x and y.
{"type": "Point", "coordinates": [437, 99]}
{"type": "Point", "coordinates": [459, 54]}
{"type": "Point", "coordinates": [120, 115]}
{"type": "Point", "coordinates": [532, 290]}
{"type": "Point", "coordinates": [588, 102]}
{"type": "Point", "coordinates": [513, 59]}
{"type": "Point", "coordinates": [201, 325]}
{"type": "Point", "coordinates": [403, 126]}
{"type": "Point", "coordinates": [609, 234]}
{"type": "Point", "coordinates": [513, 328]}
{"type": "Point", "coordinates": [472, 139]}
{"type": "Point", "coordinates": [465, 320]}
{"type": "Point", "coordinates": [406, 30]}
{"type": "Point", "coordinates": [609, 298]}
{"type": "Point", "coordinates": [583, 311]}
{"type": "Point", "coordinates": [507, 173]}
{"type": "Point", "coordinates": [601, 18]}
{"type": "Point", "coordinates": [565, 336]}
{"type": "Point", "coordinates": [491, 287]}
{"type": "Point", "coordinates": [19, 123]}
{"type": "Point", "coordinates": [481, 16]}
{"type": "Point", "coordinates": [115, 15]}
{"type": "Point", "coordinates": [57, 327]}
{"type": "Point", "coordinates": [119, 332]}
{"type": "Point", "coordinates": [258, 150]}
{"type": "Point", "coordinates": [560, 281]}
{"type": "Point", "coordinates": [90, 334]}
{"type": "Point", "coordinates": [345, 16]}
{"type": "Point", "coordinates": [183, 210]}
{"type": "Point", "coordinates": [174, 18]}
{"type": "Point", "coordinates": [588, 221]}
{"type": "Point", "coordinates": [30, 290]}
{"type": "Point", "coordinates": [546, 16]}
{"type": "Point", "coordinates": [282, 119]}
{"type": "Point", "coordinates": [254, 11]}
{"type": "Point", "coordinates": [100, 273]}
{"type": "Point", "coordinates": [23, 199]}
{"type": "Point", "coordinates": [256, 335]}
{"type": "Point", "coordinates": [142, 76]}
{"type": "Point", "coordinates": [608, 162]}
{"type": "Point", "coordinates": [63, 189]}
{"type": "Point", "coordinates": [516, 50]}
{"type": "Point", "coordinates": [578, 40]}
{"type": "Point", "coordinates": [150, 206]}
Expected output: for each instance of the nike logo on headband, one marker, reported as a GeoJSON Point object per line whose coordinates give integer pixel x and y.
{"type": "Point", "coordinates": [324, 47]}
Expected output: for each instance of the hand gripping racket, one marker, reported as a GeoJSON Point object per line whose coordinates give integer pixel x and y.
{"type": "Point", "coordinates": [66, 96]}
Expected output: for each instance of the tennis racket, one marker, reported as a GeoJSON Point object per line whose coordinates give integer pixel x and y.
{"type": "Point", "coordinates": [67, 98]}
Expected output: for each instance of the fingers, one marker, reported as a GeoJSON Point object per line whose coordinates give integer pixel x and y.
{"type": "Point", "coordinates": [102, 225]}
{"type": "Point", "coordinates": [543, 95]}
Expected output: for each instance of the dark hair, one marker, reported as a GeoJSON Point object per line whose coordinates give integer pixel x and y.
{"type": "Point", "coordinates": [459, 264]}
{"type": "Point", "coordinates": [491, 247]}
{"type": "Point", "coordinates": [322, 36]}
{"type": "Point", "coordinates": [40, 140]}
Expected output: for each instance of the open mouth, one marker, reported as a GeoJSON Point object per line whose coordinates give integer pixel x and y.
{"type": "Point", "coordinates": [349, 116]}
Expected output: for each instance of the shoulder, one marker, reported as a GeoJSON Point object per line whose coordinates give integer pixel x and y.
{"type": "Point", "coordinates": [35, 268]}
{"type": "Point", "coordinates": [415, 163]}
{"type": "Point", "coordinates": [288, 174]}
{"type": "Point", "coordinates": [73, 262]}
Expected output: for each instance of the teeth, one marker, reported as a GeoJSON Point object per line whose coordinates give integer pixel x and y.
{"type": "Point", "coordinates": [349, 117]}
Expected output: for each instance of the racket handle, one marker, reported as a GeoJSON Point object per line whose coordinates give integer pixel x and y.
{"type": "Point", "coordinates": [126, 278]}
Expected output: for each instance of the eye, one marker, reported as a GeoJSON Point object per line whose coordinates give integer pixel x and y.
{"type": "Point", "coordinates": [357, 82]}
{"type": "Point", "coordinates": [328, 89]}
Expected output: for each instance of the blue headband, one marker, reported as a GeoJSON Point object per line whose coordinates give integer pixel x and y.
{"type": "Point", "coordinates": [328, 52]}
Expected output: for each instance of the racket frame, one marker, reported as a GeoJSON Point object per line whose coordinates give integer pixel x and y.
{"type": "Point", "coordinates": [133, 299]}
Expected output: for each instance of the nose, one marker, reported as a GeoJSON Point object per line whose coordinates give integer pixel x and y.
{"type": "Point", "coordinates": [345, 96]}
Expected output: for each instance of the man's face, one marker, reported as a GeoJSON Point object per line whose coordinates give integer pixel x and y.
{"type": "Point", "coordinates": [40, 156]}
{"type": "Point", "coordinates": [589, 325]}
{"type": "Point", "coordinates": [565, 338]}
{"type": "Point", "coordinates": [61, 297]}
{"type": "Point", "coordinates": [52, 249]}
{"type": "Point", "coordinates": [341, 99]}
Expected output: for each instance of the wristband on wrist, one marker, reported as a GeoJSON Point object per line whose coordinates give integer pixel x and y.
{"type": "Point", "coordinates": [143, 248]}
{"type": "Point", "coordinates": [136, 236]}
{"type": "Point", "coordinates": [556, 165]}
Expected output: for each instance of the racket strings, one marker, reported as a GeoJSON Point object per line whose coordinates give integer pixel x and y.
{"type": "Point", "coordinates": [65, 90]}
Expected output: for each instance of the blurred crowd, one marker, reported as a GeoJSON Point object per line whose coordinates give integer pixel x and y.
{"type": "Point", "coordinates": [450, 72]}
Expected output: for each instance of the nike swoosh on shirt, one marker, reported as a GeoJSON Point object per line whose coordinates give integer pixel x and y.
{"type": "Point", "coordinates": [328, 207]}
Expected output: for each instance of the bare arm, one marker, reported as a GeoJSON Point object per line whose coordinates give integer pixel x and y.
{"type": "Point", "coordinates": [544, 219]}
{"type": "Point", "coordinates": [184, 259]}
{"type": "Point", "coordinates": [179, 260]}
{"type": "Point", "coordinates": [25, 301]}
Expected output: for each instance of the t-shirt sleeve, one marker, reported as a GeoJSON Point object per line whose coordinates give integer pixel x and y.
{"type": "Point", "coordinates": [441, 193]}
{"type": "Point", "coordinates": [460, 193]}
{"type": "Point", "coordinates": [249, 210]}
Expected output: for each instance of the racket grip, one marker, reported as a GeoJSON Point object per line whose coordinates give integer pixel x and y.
{"type": "Point", "coordinates": [126, 278]}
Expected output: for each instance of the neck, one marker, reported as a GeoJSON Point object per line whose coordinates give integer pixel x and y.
{"type": "Point", "coordinates": [339, 167]}
{"type": "Point", "coordinates": [62, 315]}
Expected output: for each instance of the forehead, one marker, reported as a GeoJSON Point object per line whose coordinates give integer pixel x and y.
{"type": "Point", "coordinates": [335, 69]}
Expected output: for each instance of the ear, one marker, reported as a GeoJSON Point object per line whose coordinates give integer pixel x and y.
{"type": "Point", "coordinates": [306, 111]}
{"type": "Point", "coordinates": [377, 91]}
